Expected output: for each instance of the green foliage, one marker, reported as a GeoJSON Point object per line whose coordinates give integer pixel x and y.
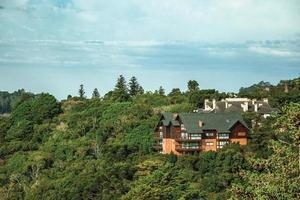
{"type": "Point", "coordinates": [96, 93]}
{"type": "Point", "coordinates": [103, 149]}
{"type": "Point", "coordinates": [197, 97]}
{"type": "Point", "coordinates": [45, 107]}
{"type": "Point", "coordinates": [120, 92]}
{"type": "Point", "coordinates": [7, 100]}
{"type": "Point", "coordinates": [20, 130]}
{"type": "Point", "coordinates": [161, 91]}
{"type": "Point", "coordinates": [193, 85]}
{"type": "Point", "coordinates": [176, 96]}
{"type": "Point", "coordinates": [276, 94]}
{"type": "Point", "coordinates": [134, 87]}
{"type": "Point", "coordinates": [276, 177]}
{"type": "Point", "coordinates": [81, 91]}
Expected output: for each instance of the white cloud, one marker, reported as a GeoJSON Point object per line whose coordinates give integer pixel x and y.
{"type": "Point", "coordinates": [13, 3]}
{"type": "Point", "coordinates": [275, 52]}
{"type": "Point", "coordinates": [213, 20]}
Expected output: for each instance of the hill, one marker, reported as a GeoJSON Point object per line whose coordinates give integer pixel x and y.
{"type": "Point", "coordinates": [102, 148]}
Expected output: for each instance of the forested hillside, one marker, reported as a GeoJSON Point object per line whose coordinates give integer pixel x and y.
{"type": "Point", "coordinates": [7, 100]}
{"type": "Point", "coordinates": [284, 92]}
{"type": "Point", "coordinates": [102, 148]}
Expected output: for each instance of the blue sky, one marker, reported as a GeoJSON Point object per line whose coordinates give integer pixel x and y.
{"type": "Point", "coordinates": [55, 45]}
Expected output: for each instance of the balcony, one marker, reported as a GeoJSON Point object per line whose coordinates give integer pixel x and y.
{"type": "Point", "coordinates": [187, 139]}
{"type": "Point", "coordinates": [180, 148]}
{"type": "Point", "coordinates": [223, 136]}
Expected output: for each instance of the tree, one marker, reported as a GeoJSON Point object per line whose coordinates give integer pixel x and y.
{"type": "Point", "coordinates": [161, 91]}
{"type": "Point", "coordinates": [45, 107]}
{"type": "Point", "coordinates": [96, 93]}
{"type": "Point", "coordinates": [174, 92]}
{"type": "Point", "coordinates": [276, 177]}
{"type": "Point", "coordinates": [134, 87]}
{"type": "Point", "coordinates": [193, 85]}
{"type": "Point", "coordinates": [120, 92]}
{"type": "Point", "coordinates": [81, 91]}
{"type": "Point", "coordinates": [176, 96]}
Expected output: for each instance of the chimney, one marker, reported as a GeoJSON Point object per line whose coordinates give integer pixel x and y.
{"type": "Point", "coordinates": [226, 104]}
{"type": "Point", "coordinates": [266, 100]}
{"type": "Point", "coordinates": [255, 107]}
{"type": "Point", "coordinates": [245, 106]}
{"type": "Point", "coordinates": [206, 107]}
{"type": "Point", "coordinates": [200, 123]}
{"type": "Point", "coordinates": [286, 87]}
{"type": "Point", "coordinates": [214, 104]}
{"type": "Point", "coordinates": [174, 116]}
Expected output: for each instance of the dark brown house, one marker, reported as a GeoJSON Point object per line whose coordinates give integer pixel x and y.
{"type": "Point", "coordinates": [185, 133]}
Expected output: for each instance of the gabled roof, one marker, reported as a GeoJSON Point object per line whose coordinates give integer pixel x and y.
{"type": "Point", "coordinates": [167, 119]}
{"type": "Point", "coordinates": [221, 122]}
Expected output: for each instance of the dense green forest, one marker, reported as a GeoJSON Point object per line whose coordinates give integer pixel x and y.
{"type": "Point", "coordinates": [7, 100]}
{"type": "Point", "coordinates": [102, 147]}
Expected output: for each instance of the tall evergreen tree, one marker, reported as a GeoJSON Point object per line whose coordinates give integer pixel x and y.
{"type": "Point", "coordinates": [81, 91]}
{"type": "Point", "coordinates": [141, 90]}
{"type": "Point", "coordinates": [96, 93]}
{"type": "Point", "coordinates": [121, 91]}
{"type": "Point", "coordinates": [134, 87]}
{"type": "Point", "coordinates": [161, 91]}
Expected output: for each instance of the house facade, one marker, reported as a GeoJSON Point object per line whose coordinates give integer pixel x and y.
{"type": "Point", "coordinates": [185, 133]}
{"type": "Point", "coordinates": [238, 105]}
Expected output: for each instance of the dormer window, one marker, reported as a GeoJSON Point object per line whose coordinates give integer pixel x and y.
{"type": "Point", "coordinates": [209, 134]}
{"type": "Point", "coordinates": [182, 127]}
{"type": "Point", "coordinates": [223, 135]}
{"type": "Point", "coordinates": [200, 123]}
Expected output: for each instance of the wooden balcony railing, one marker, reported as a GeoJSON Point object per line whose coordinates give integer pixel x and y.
{"type": "Point", "coordinates": [189, 149]}
{"type": "Point", "coordinates": [188, 139]}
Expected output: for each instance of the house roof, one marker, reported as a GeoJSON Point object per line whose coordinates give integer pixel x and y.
{"type": "Point", "coordinates": [222, 122]}
{"type": "Point", "coordinates": [168, 118]}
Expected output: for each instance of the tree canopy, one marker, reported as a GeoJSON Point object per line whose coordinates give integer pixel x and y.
{"type": "Point", "coordinates": [102, 148]}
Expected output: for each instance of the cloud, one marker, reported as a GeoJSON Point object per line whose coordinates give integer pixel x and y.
{"type": "Point", "coordinates": [191, 20]}
{"type": "Point", "coordinates": [13, 3]}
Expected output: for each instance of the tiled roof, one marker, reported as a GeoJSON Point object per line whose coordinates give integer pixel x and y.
{"type": "Point", "coordinates": [168, 118]}
{"type": "Point", "coordinates": [222, 122]}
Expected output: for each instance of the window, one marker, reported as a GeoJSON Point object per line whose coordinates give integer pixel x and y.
{"type": "Point", "coordinates": [182, 127]}
{"type": "Point", "coordinates": [209, 134]}
{"type": "Point", "coordinates": [161, 134]}
{"type": "Point", "coordinates": [184, 135]}
{"type": "Point", "coordinates": [160, 142]}
{"type": "Point", "coordinates": [241, 134]}
{"type": "Point", "coordinates": [223, 135]}
{"type": "Point", "coordinates": [195, 136]}
{"type": "Point", "coordinates": [222, 143]}
{"type": "Point", "coordinates": [209, 143]}
{"type": "Point", "coordinates": [190, 145]}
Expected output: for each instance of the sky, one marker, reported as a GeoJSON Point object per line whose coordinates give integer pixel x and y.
{"type": "Point", "coordinates": [56, 45]}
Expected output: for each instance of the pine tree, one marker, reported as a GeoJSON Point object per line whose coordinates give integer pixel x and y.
{"type": "Point", "coordinates": [81, 91]}
{"type": "Point", "coordinates": [161, 91]}
{"type": "Point", "coordinates": [141, 90]}
{"type": "Point", "coordinates": [96, 93]}
{"type": "Point", "coordinates": [134, 87]}
{"type": "Point", "coordinates": [121, 91]}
